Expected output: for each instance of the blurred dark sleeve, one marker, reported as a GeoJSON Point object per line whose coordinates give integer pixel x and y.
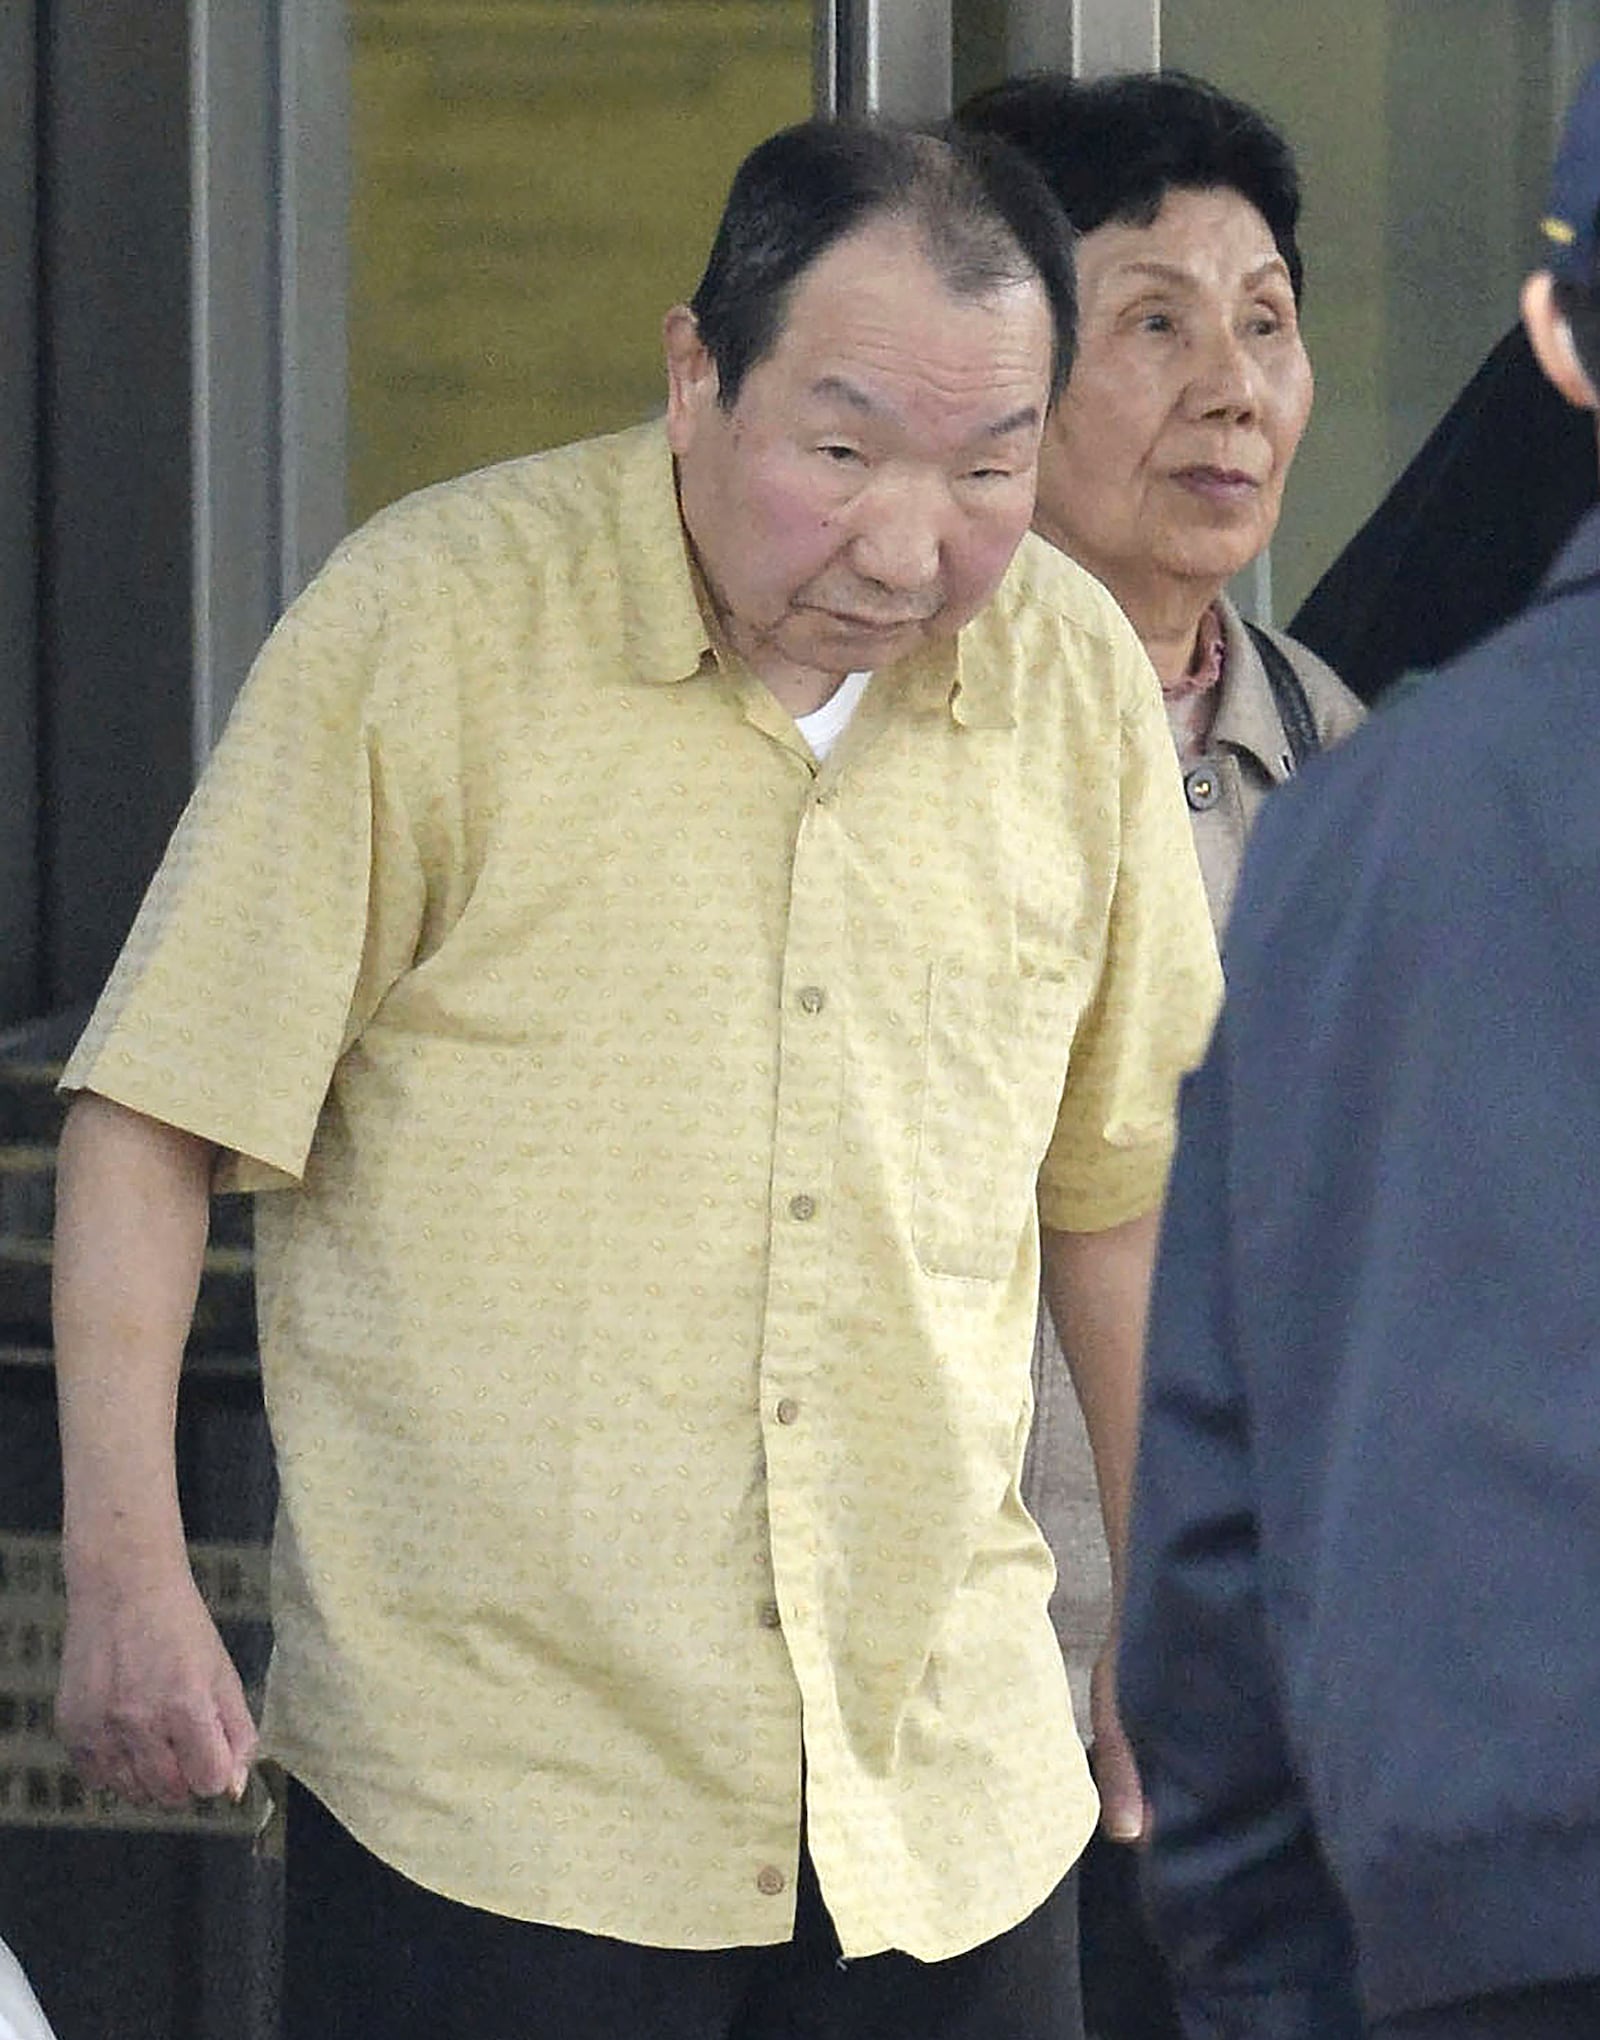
{"type": "Point", "coordinates": [1464, 537]}
{"type": "Point", "coordinates": [1238, 1894]}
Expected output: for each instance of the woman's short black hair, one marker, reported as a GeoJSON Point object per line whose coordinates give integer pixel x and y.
{"type": "Point", "coordinates": [983, 213]}
{"type": "Point", "coordinates": [1112, 148]}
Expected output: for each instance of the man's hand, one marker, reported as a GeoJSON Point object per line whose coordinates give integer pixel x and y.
{"type": "Point", "coordinates": [150, 1703]}
{"type": "Point", "coordinates": [1124, 1816]}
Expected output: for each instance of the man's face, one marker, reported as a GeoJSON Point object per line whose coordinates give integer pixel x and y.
{"type": "Point", "coordinates": [869, 487]}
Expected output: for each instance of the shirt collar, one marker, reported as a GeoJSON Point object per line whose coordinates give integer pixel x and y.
{"type": "Point", "coordinates": [978, 689]}
{"type": "Point", "coordinates": [663, 633]}
{"type": "Point", "coordinates": [667, 630]}
{"type": "Point", "coordinates": [1247, 717]}
{"type": "Point", "coordinates": [953, 677]}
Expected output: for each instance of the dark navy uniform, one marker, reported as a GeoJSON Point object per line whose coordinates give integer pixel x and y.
{"type": "Point", "coordinates": [1362, 1642]}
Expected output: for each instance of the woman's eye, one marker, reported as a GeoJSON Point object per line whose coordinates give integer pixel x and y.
{"type": "Point", "coordinates": [840, 454]}
{"type": "Point", "coordinates": [1156, 322]}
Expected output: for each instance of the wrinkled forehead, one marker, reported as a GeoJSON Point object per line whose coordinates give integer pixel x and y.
{"type": "Point", "coordinates": [884, 295]}
{"type": "Point", "coordinates": [1214, 232]}
{"type": "Point", "coordinates": [1191, 213]}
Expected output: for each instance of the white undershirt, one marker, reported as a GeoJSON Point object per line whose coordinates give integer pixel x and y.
{"type": "Point", "coordinates": [20, 2016]}
{"type": "Point", "coordinates": [824, 726]}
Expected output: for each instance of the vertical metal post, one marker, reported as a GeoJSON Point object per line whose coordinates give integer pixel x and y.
{"type": "Point", "coordinates": [233, 399]}
{"type": "Point", "coordinates": [1115, 35]}
{"type": "Point", "coordinates": [1086, 37]}
{"type": "Point", "coordinates": [313, 283]}
{"type": "Point", "coordinates": [19, 707]}
{"type": "Point", "coordinates": [825, 56]}
{"type": "Point", "coordinates": [1251, 588]}
{"type": "Point", "coordinates": [889, 57]}
{"type": "Point", "coordinates": [269, 196]}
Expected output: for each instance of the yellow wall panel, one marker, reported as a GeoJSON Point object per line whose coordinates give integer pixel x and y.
{"type": "Point", "coordinates": [534, 185]}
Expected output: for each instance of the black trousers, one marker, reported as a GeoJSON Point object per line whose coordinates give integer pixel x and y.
{"type": "Point", "coordinates": [1552, 2011]}
{"type": "Point", "coordinates": [371, 1956]}
{"type": "Point", "coordinates": [1127, 1994]}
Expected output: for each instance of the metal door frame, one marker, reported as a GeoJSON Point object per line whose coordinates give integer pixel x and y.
{"type": "Point", "coordinates": [269, 120]}
{"type": "Point", "coordinates": [20, 930]}
{"type": "Point", "coordinates": [894, 56]}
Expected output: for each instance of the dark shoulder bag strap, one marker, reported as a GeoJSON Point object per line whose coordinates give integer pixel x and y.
{"type": "Point", "coordinates": [1288, 696]}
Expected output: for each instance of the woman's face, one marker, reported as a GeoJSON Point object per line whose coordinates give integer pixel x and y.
{"type": "Point", "coordinates": [1165, 459]}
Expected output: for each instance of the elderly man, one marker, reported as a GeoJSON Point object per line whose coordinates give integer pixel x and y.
{"type": "Point", "coordinates": [1362, 1666]}
{"type": "Point", "coordinates": [664, 917]}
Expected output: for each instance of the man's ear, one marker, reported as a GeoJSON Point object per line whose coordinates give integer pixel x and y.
{"type": "Point", "coordinates": [1551, 339]}
{"type": "Point", "coordinates": [691, 376]}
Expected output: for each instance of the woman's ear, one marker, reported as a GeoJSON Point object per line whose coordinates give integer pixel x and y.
{"type": "Point", "coordinates": [1551, 339]}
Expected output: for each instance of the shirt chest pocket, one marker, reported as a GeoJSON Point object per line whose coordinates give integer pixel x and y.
{"type": "Point", "coordinates": [994, 1066]}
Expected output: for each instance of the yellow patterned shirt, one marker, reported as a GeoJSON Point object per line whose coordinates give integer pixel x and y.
{"type": "Point", "coordinates": [654, 1118]}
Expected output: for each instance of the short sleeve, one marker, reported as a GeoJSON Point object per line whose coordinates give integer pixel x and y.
{"type": "Point", "coordinates": [1152, 1010]}
{"type": "Point", "coordinates": [289, 898]}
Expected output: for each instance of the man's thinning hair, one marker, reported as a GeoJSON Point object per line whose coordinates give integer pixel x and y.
{"type": "Point", "coordinates": [983, 216]}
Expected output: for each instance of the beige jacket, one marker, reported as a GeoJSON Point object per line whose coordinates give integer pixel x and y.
{"type": "Point", "coordinates": [1247, 757]}
{"type": "Point", "coordinates": [1249, 753]}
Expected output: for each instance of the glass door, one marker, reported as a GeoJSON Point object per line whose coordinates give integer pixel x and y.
{"type": "Point", "coordinates": [1424, 136]}
{"type": "Point", "coordinates": [534, 183]}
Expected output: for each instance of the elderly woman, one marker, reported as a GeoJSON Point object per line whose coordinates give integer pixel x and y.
{"type": "Point", "coordinates": [1164, 465]}
{"type": "Point", "coordinates": [1162, 472]}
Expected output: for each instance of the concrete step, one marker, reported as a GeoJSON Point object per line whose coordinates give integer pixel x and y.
{"type": "Point", "coordinates": [27, 1191]}
{"type": "Point", "coordinates": [30, 1124]}
{"type": "Point", "coordinates": [199, 1364]}
{"type": "Point", "coordinates": [27, 1199]}
{"type": "Point", "coordinates": [225, 1313]}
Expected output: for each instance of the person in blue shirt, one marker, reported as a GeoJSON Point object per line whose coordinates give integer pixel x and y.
{"type": "Point", "coordinates": [1361, 1658]}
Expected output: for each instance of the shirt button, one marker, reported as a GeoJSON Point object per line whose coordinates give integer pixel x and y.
{"type": "Point", "coordinates": [770, 1616]}
{"type": "Point", "coordinates": [769, 1880]}
{"type": "Point", "coordinates": [802, 1206]}
{"type": "Point", "coordinates": [812, 999]}
{"type": "Point", "coordinates": [788, 1409]}
{"type": "Point", "coordinates": [1202, 788]}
